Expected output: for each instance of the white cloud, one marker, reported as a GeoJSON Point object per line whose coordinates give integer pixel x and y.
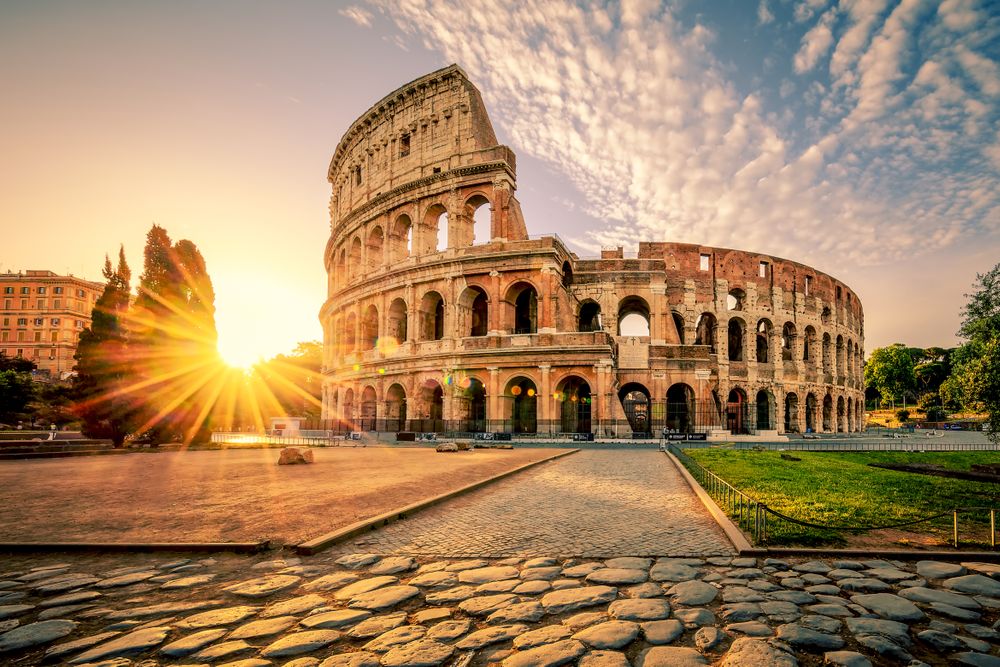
{"type": "Point", "coordinates": [637, 112]}
{"type": "Point", "coordinates": [360, 16]}
{"type": "Point", "coordinates": [815, 43]}
{"type": "Point", "coordinates": [764, 15]}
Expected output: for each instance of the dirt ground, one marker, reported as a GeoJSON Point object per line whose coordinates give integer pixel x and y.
{"type": "Point", "coordinates": [227, 496]}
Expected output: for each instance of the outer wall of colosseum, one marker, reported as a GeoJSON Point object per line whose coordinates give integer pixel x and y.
{"type": "Point", "coordinates": [444, 315]}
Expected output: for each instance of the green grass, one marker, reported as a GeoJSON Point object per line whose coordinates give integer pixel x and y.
{"type": "Point", "coordinates": [841, 489]}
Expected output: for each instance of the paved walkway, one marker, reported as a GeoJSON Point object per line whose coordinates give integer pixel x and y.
{"type": "Point", "coordinates": [595, 503]}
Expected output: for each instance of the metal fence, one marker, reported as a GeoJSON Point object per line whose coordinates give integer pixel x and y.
{"type": "Point", "coordinates": [763, 523]}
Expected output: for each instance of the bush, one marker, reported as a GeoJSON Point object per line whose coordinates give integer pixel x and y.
{"type": "Point", "coordinates": [902, 415]}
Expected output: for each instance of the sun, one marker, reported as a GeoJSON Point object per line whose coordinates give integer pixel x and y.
{"type": "Point", "coordinates": [239, 356]}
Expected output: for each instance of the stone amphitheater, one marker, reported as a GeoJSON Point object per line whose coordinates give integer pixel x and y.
{"type": "Point", "coordinates": [444, 315]}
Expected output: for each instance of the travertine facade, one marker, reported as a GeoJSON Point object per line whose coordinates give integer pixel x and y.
{"type": "Point", "coordinates": [443, 315]}
{"type": "Point", "coordinates": [42, 316]}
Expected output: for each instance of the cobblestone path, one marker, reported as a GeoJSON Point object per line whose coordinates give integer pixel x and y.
{"type": "Point", "coordinates": [595, 503]}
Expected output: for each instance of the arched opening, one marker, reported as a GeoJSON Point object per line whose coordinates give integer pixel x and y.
{"type": "Point", "coordinates": [825, 316]}
{"type": "Point", "coordinates": [473, 311]}
{"type": "Point", "coordinates": [827, 354]}
{"type": "Point", "coordinates": [736, 329]}
{"type": "Point", "coordinates": [828, 414]}
{"type": "Point", "coordinates": [841, 415]}
{"type": "Point", "coordinates": [737, 412]}
{"type": "Point", "coordinates": [435, 230]}
{"type": "Point", "coordinates": [355, 258]}
{"type": "Point", "coordinates": [811, 406]}
{"type": "Point", "coordinates": [858, 421]}
{"type": "Point", "coordinates": [396, 323]}
{"type": "Point", "coordinates": [524, 405]}
{"type": "Point", "coordinates": [350, 334]}
{"type": "Point", "coordinates": [850, 414]}
{"type": "Point", "coordinates": [347, 417]}
{"type": "Point", "coordinates": [765, 410]}
{"type": "Point", "coordinates": [809, 346]}
{"type": "Point", "coordinates": [376, 238]}
{"type": "Point", "coordinates": [522, 300]}
{"type": "Point", "coordinates": [431, 407]}
{"type": "Point", "coordinates": [342, 266]}
{"type": "Point", "coordinates": [573, 396]}
{"type": "Point", "coordinates": [791, 413]}
{"type": "Point", "coordinates": [478, 210]}
{"type": "Point", "coordinates": [368, 409]}
{"type": "Point", "coordinates": [395, 408]}
{"type": "Point", "coordinates": [590, 316]}
{"type": "Point", "coordinates": [432, 317]}
{"type": "Point", "coordinates": [705, 331]}
{"type": "Point", "coordinates": [850, 358]}
{"type": "Point", "coordinates": [840, 356]}
{"type": "Point", "coordinates": [736, 299]}
{"type": "Point", "coordinates": [474, 396]}
{"type": "Point", "coordinates": [680, 408]}
{"type": "Point", "coordinates": [764, 342]}
{"type": "Point", "coordinates": [633, 317]}
{"type": "Point", "coordinates": [787, 342]}
{"type": "Point", "coordinates": [401, 239]}
{"type": "Point", "coordinates": [369, 328]}
{"type": "Point", "coordinates": [678, 325]}
{"type": "Point", "coordinates": [567, 275]}
{"type": "Point", "coordinates": [637, 405]}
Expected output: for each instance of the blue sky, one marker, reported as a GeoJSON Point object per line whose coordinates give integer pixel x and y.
{"type": "Point", "coordinates": [857, 136]}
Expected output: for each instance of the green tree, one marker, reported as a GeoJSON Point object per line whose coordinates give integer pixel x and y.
{"type": "Point", "coordinates": [17, 389]}
{"type": "Point", "coordinates": [101, 386]}
{"type": "Point", "coordinates": [173, 347]}
{"type": "Point", "coordinates": [890, 371]}
{"type": "Point", "coordinates": [975, 380]}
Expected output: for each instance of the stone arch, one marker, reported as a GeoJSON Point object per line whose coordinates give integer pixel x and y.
{"type": "Point", "coordinates": [400, 239]}
{"type": "Point", "coordinates": [679, 325]}
{"type": "Point", "coordinates": [369, 328]}
{"type": "Point", "coordinates": [828, 426]}
{"type": "Point", "coordinates": [473, 312]}
{"type": "Point", "coordinates": [765, 410]}
{"type": "Point", "coordinates": [567, 275]}
{"type": "Point", "coordinates": [791, 412]}
{"type": "Point", "coordinates": [850, 414]}
{"type": "Point", "coordinates": [827, 353]}
{"type": "Point", "coordinates": [376, 241]}
{"type": "Point", "coordinates": [523, 395]}
{"type": "Point", "coordinates": [809, 345]}
{"type": "Point", "coordinates": [396, 322]}
{"type": "Point", "coordinates": [350, 333]}
{"type": "Point", "coordinates": [680, 408]}
{"type": "Point", "coordinates": [637, 403]}
{"type": "Point", "coordinates": [435, 229]}
{"type": "Point", "coordinates": [342, 266]}
{"type": "Point", "coordinates": [812, 408]}
{"type": "Point", "coordinates": [705, 331]}
{"type": "Point", "coordinates": [369, 409]}
{"type": "Point", "coordinates": [787, 341]}
{"type": "Point", "coordinates": [737, 411]}
{"type": "Point", "coordinates": [633, 316]}
{"type": "Point", "coordinates": [841, 415]}
{"type": "Point", "coordinates": [850, 359]}
{"type": "Point", "coordinates": [348, 410]}
{"type": "Point", "coordinates": [430, 407]}
{"type": "Point", "coordinates": [737, 329]}
{"type": "Point", "coordinates": [764, 332]}
{"type": "Point", "coordinates": [395, 408]}
{"type": "Point", "coordinates": [431, 316]}
{"type": "Point", "coordinates": [574, 399]}
{"type": "Point", "coordinates": [521, 306]}
{"type": "Point", "coordinates": [355, 256]}
{"type": "Point", "coordinates": [736, 299]}
{"type": "Point", "coordinates": [478, 211]}
{"type": "Point", "coordinates": [471, 402]}
{"type": "Point", "coordinates": [840, 355]}
{"type": "Point", "coordinates": [590, 316]}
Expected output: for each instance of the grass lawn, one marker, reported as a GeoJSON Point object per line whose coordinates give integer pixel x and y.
{"type": "Point", "coordinates": [841, 489]}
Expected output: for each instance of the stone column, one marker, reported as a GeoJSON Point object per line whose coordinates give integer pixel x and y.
{"type": "Point", "coordinates": [493, 398]}
{"type": "Point", "coordinates": [545, 398]}
{"type": "Point", "coordinates": [496, 304]}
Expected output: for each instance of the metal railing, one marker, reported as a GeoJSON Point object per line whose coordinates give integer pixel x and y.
{"type": "Point", "coordinates": [761, 522]}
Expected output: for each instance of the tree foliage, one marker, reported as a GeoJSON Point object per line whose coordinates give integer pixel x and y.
{"type": "Point", "coordinates": [890, 370]}
{"type": "Point", "coordinates": [295, 380]}
{"type": "Point", "coordinates": [975, 380]}
{"type": "Point", "coordinates": [102, 360]}
{"type": "Point", "coordinates": [17, 389]}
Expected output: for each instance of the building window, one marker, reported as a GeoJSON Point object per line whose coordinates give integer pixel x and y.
{"type": "Point", "coordinates": [4, 335]}
{"type": "Point", "coordinates": [8, 290]}
{"type": "Point", "coordinates": [40, 303]}
{"type": "Point", "coordinates": [838, 293]}
{"type": "Point", "coordinates": [404, 145]}
{"type": "Point", "coordinates": [39, 321]}
{"type": "Point", "coordinates": [22, 321]}
{"type": "Point", "coordinates": [79, 324]}
{"type": "Point", "coordinates": [704, 262]}
{"type": "Point", "coordinates": [762, 271]}
{"type": "Point", "coordinates": [38, 336]}
{"type": "Point", "coordinates": [357, 175]}
{"type": "Point", "coordinates": [54, 337]}
{"type": "Point", "coordinates": [57, 303]}
{"type": "Point", "coordinates": [6, 304]}
{"type": "Point", "coordinates": [79, 293]}
{"type": "Point", "coordinates": [20, 352]}
{"type": "Point", "coordinates": [20, 339]}
{"type": "Point", "coordinates": [6, 321]}
{"type": "Point", "coordinates": [58, 290]}
{"type": "Point", "coordinates": [55, 321]}
{"type": "Point", "coordinates": [25, 290]}
{"type": "Point", "coordinates": [24, 304]}
{"type": "Point", "coordinates": [41, 290]}
{"type": "Point", "coordinates": [809, 282]}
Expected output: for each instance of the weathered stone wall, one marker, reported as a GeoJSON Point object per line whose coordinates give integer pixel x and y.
{"type": "Point", "coordinates": [437, 330]}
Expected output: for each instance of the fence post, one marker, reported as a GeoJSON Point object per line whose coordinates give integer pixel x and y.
{"type": "Point", "coordinates": [954, 514]}
{"type": "Point", "coordinates": [993, 528]}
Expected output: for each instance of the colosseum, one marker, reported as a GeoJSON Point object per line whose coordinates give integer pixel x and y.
{"type": "Point", "coordinates": [444, 315]}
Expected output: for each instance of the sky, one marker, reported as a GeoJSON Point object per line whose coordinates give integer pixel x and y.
{"type": "Point", "coordinates": [861, 137]}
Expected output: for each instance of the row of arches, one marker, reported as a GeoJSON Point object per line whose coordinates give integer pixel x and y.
{"type": "Point", "coordinates": [822, 415]}
{"type": "Point", "coordinates": [841, 356]}
{"type": "Point", "coordinates": [436, 230]}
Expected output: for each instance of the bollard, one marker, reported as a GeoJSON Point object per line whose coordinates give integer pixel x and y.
{"type": "Point", "coordinates": [954, 514]}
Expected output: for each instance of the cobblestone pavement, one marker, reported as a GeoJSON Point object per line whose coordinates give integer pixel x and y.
{"type": "Point", "coordinates": [595, 503]}
{"type": "Point", "coordinates": [362, 610]}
